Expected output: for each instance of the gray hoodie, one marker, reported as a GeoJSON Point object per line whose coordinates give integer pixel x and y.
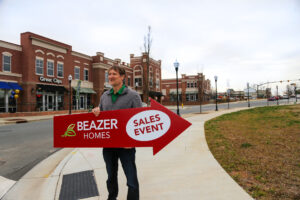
{"type": "Point", "coordinates": [128, 99]}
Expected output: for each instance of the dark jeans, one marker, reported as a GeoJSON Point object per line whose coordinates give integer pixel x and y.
{"type": "Point", "coordinates": [127, 157]}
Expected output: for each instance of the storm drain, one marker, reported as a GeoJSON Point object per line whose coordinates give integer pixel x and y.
{"type": "Point", "coordinates": [78, 186]}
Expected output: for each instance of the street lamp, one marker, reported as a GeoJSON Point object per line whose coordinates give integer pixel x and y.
{"type": "Point", "coordinates": [248, 95]}
{"type": "Point", "coordinates": [200, 92]}
{"type": "Point", "coordinates": [176, 65]}
{"type": "Point", "coordinates": [228, 97]}
{"type": "Point", "coordinates": [216, 79]}
{"type": "Point", "coordinates": [70, 92]}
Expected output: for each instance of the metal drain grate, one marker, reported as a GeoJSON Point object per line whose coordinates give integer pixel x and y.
{"type": "Point", "coordinates": [78, 186]}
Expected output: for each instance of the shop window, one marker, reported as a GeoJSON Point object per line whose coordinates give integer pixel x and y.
{"type": "Point", "coordinates": [77, 73]}
{"type": "Point", "coordinates": [88, 100]}
{"type": "Point", "coordinates": [60, 101]}
{"type": "Point", "coordinates": [86, 74]}
{"type": "Point", "coordinates": [6, 63]}
{"type": "Point", "coordinates": [2, 100]}
{"type": "Point", "coordinates": [39, 66]}
{"type": "Point", "coordinates": [50, 68]}
{"type": "Point", "coordinates": [60, 69]}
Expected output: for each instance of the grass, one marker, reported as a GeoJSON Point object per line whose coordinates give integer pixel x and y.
{"type": "Point", "coordinates": [260, 149]}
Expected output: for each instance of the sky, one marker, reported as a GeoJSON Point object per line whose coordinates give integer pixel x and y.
{"type": "Point", "coordinates": [240, 41]}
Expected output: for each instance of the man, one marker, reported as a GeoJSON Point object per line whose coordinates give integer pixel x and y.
{"type": "Point", "coordinates": [119, 97]}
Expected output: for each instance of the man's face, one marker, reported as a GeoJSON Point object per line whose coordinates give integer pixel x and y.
{"type": "Point", "coordinates": [115, 78]}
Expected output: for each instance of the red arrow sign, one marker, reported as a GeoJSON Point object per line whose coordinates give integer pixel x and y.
{"type": "Point", "coordinates": [154, 126]}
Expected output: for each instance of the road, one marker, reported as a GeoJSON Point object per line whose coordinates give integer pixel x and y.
{"type": "Point", "coordinates": [212, 107]}
{"type": "Point", "coordinates": [24, 145]}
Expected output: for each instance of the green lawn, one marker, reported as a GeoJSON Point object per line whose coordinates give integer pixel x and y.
{"type": "Point", "coordinates": [260, 149]}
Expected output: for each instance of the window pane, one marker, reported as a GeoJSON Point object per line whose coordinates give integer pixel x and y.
{"type": "Point", "coordinates": [86, 75]}
{"type": "Point", "coordinates": [106, 77]}
{"type": "Point", "coordinates": [77, 75]}
{"type": "Point", "coordinates": [50, 68]}
{"type": "Point", "coordinates": [39, 66]}
{"type": "Point", "coordinates": [6, 63]}
{"type": "Point", "coordinates": [60, 70]}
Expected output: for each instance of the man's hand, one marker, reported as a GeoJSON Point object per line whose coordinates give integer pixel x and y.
{"type": "Point", "coordinates": [96, 111]}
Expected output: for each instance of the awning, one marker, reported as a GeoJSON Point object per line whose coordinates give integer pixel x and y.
{"type": "Point", "coordinates": [51, 88]}
{"type": "Point", "coordinates": [15, 86]}
{"type": "Point", "coordinates": [4, 85]}
{"type": "Point", "coordinates": [86, 90]}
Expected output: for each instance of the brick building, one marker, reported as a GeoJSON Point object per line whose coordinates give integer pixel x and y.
{"type": "Point", "coordinates": [189, 89]}
{"type": "Point", "coordinates": [40, 67]}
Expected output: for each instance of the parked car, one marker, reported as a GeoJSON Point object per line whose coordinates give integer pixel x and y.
{"type": "Point", "coordinates": [273, 98]}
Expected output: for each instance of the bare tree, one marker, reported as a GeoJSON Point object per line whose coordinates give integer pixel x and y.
{"type": "Point", "coordinates": [147, 48]}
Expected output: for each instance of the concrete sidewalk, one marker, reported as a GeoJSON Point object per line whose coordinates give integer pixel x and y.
{"type": "Point", "coordinates": [185, 169]}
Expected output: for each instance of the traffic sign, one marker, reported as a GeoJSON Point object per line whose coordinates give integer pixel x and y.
{"type": "Point", "coordinates": [154, 126]}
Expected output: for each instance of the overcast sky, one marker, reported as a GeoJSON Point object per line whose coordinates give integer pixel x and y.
{"type": "Point", "coordinates": [240, 41]}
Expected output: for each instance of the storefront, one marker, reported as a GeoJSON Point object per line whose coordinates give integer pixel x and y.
{"type": "Point", "coordinates": [82, 100]}
{"type": "Point", "coordinates": [9, 94]}
{"type": "Point", "coordinates": [50, 97]}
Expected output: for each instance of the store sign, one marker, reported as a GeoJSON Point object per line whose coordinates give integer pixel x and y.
{"type": "Point", "coordinates": [50, 80]}
{"type": "Point", "coordinates": [154, 126]}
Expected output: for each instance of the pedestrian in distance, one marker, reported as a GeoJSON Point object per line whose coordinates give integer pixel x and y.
{"type": "Point", "coordinates": [119, 97]}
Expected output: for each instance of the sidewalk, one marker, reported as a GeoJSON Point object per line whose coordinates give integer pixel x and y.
{"type": "Point", "coordinates": [185, 169]}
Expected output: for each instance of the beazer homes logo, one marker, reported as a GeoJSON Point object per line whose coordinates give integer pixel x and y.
{"type": "Point", "coordinates": [70, 132]}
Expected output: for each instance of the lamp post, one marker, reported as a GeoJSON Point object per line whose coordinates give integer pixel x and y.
{"type": "Point", "coordinates": [216, 79]}
{"type": "Point", "coordinates": [70, 92]}
{"type": "Point", "coordinates": [176, 65]}
{"type": "Point", "coordinates": [200, 92]}
{"type": "Point", "coordinates": [228, 97]}
{"type": "Point", "coordinates": [248, 95]}
{"type": "Point", "coordinates": [277, 98]}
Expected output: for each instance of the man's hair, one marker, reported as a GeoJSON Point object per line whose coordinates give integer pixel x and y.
{"type": "Point", "coordinates": [119, 69]}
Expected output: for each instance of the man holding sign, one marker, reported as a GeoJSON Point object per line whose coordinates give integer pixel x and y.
{"type": "Point", "coordinates": [119, 97]}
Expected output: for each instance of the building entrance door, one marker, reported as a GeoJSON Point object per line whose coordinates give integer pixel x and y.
{"type": "Point", "coordinates": [50, 102]}
{"type": "Point", "coordinates": [82, 102]}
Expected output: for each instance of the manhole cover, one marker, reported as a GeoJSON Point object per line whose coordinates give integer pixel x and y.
{"type": "Point", "coordinates": [78, 186]}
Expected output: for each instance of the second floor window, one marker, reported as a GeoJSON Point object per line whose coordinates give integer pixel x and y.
{"type": "Point", "coordinates": [86, 74]}
{"type": "Point", "coordinates": [106, 77]}
{"type": "Point", "coordinates": [77, 73]}
{"type": "Point", "coordinates": [139, 81]}
{"type": "Point", "coordinates": [39, 66]}
{"type": "Point", "coordinates": [6, 63]}
{"type": "Point", "coordinates": [60, 69]}
{"type": "Point", "coordinates": [50, 68]}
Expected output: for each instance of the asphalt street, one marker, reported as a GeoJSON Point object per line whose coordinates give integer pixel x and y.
{"type": "Point", "coordinates": [24, 145]}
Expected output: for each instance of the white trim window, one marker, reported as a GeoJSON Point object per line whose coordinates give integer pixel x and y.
{"type": "Point", "coordinates": [106, 76]}
{"type": "Point", "coordinates": [39, 66]}
{"type": "Point", "coordinates": [86, 74]}
{"type": "Point", "coordinates": [50, 68]}
{"type": "Point", "coordinates": [60, 69]}
{"type": "Point", "coordinates": [6, 62]}
{"type": "Point", "coordinates": [77, 73]}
